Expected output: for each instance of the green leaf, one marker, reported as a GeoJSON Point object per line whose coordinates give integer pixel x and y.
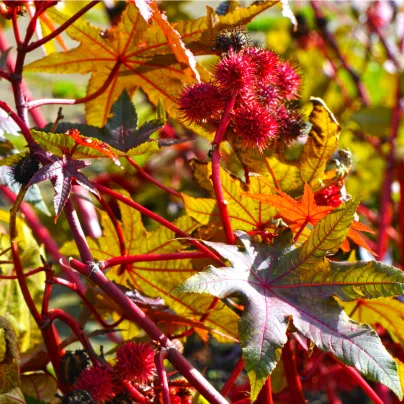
{"type": "Point", "coordinates": [281, 283]}
{"type": "Point", "coordinates": [61, 143]}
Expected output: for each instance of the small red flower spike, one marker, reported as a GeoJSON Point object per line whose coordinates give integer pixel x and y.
{"type": "Point", "coordinates": [235, 73]}
{"type": "Point", "coordinates": [255, 125]}
{"type": "Point", "coordinates": [330, 196]}
{"type": "Point", "coordinates": [98, 382]}
{"type": "Point", "coordinates": [135, 362]}
{"type": "Point", "coordinates": [265, 63]}
{"type": "Point", "coordinates": [288, 81]}
{"type": "Point", "coordinates": [201, 102]}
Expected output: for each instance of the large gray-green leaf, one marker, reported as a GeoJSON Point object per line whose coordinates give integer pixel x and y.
{"type": "Point", "coordinates": [281, 283]}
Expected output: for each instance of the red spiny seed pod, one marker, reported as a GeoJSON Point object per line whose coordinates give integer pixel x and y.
{"type": "Point", "coordinates": [330, 196]}
{"type": "Point", "coordinates": [201, 102]}
{"type": "Point", "coordinates": [265, 63]}
{"type": "Point", "coordinates": [235, 39]}
{"type": "Point", "coordinates": [135, 362]}
{"type": "Point", "coordinates": [98, 382]}
{"type": "Point", "coordinates": [256, 126]}
{"type": "Point", "coordinates": [268, 95]}
{"type": "Point", "coordinates": [290, 122]}
{"type": "Point", "coordinates": [288, 81]}
{"type": "Point", "coordinates": [235, 73]}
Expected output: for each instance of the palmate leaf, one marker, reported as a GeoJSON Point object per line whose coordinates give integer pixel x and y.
{"type": "Point", "coordinates": [158, 278]}
{"type": "Point", "coordinates": [62, 173]}
{"type": "Point", "coordinates": [281, 283]}
{"type": "Point", "coordinates": [151, 57]}
{"type": "Point", "coordinates": [245, 213]}
{"type": "Point", "coordinates": [121, 133]}
{"type": "Point", "coordinates": [62, 144]}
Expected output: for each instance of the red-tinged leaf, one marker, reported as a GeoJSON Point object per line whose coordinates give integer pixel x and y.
{"type": "Point", "coordinates": [182, 54]}
{"type": "Point", "coordinates": [94, 144]}
{"type": "Point", "coordinates": [144, 8]}
{"type": "Point", "coordinates": [281, 283]}
{"type": "Point", "coordinates": [62, 144]}
{"type": "Point", "coordinates": [62, 173]}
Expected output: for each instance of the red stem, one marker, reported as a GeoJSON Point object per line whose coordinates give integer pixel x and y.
{"type": "Point", "coordinates": [301, 229]}
{"type": "Point", "coordinates": [77, 232]}
{"type": "Point", "coordinates": [150, 178]}
{"type": "Point", "coordinates": [160, 220]}
{"type": "Point", "coordinates": [62, 28]}
{"type": "Point", "coordinates": [294, 382]}
{"type": "Point", "coordinates": [265, 395]}
{"type": "Point", "coordinates": [354, 375]}
{"type": "Point", "coordinates": [134, 392]}
{"type": "Point", "coordinates": [385, 198]}
{"type": "Point", "coordinates": [217, 184]}
{"type": "Point", "coordinates": [130, 259]}
{"type": "Point", "coordinates": [5, 75]}
{"type": "Point", "coordinates": [161, 371]}
{"type": "Point", "coordinates": [16, 30]}
{"type": "Point", "coordinates": [61, 315]}
{"type": "Point", "coordinates": [135, 314]}
{"type": "Point", "coordinates": [37, 116]}
{"type": "Point", "coordinates": [20, 122]}
{"type": "Point", "coordinates": [233, 377]}
{"type": "Point", "coordinates": [400, 171]}
{"type": "Point", "coordinates": [26, 274]}
{"type": "Point", "coordinates": [87, 212]}
{"type": "Point", "coordinates": [72, 286]}
{"type": "Point", "coordinates": [48, 333]}
{"type": "Point", "coordinates": [90, 97]}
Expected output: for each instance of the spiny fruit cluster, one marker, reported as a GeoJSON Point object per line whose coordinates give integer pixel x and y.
{"type": "Point", "coordinates": [261, 85]}
{"type": "Point", "coordinates": [134, 363]}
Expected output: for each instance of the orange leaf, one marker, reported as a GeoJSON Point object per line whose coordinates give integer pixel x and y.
{"type": "Point", "coordinates": [296, 213]}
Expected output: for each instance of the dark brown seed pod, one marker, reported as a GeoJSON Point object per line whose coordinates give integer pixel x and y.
{"type": "Point", "coordinates": [122, 398]}
{"type": "Point", "coordinates": [72, 364]}
{"type": "Point", "coordinates": [77, 397]}
{"type": "Point", "coordinates": [24, 169]}
{"type": "Point", "coordinates": [236, 38]}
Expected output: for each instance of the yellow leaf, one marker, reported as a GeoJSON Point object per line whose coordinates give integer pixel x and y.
{"type": "Point", "coordinates": [158, 278]}
{"type": "Point", "coordinates": [321, 144]}
{"type": "Point", "coordinates": [386, 311]}
{"type": "Point", "coordinates": [245, 213]}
